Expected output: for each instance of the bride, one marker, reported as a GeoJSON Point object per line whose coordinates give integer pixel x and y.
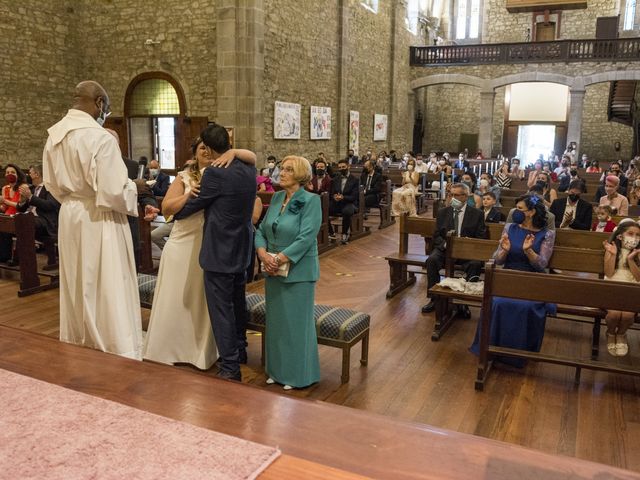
{"type": "Point", "coordinates": [179, 328]}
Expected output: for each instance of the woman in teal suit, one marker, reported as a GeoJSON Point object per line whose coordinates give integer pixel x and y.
{"type": "Point", "coordinates": [288, 237]}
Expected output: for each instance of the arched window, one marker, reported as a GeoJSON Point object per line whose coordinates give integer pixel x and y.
{"type": "Point", "coordinates": [153, 103]}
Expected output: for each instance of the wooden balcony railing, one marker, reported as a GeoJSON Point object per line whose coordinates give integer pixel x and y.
{"type": "Point", "coordinates": [615, 50]}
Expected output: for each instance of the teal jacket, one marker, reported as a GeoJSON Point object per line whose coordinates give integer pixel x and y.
{"type": "Point", "coordinates": [294, 233]}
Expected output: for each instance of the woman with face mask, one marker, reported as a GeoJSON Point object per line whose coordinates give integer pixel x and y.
{"type": "Point", "coordinates": [533, 174]}
{"type": "Point", "coordinates": [8, 204]}
{"type": "Point", "coordinates": [548, 193]}
{"type": "Point", "coordinates": [525, 245]}
{"type": "Point", "coordinates": [619, 203]}
{"type": "Point", "coordinates": [403, 199]}
{"type": "Point", "coordinates": [621, 263]}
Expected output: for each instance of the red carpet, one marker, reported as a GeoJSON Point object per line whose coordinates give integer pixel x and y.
{"type": "Point", "coordinates": [51, 432]}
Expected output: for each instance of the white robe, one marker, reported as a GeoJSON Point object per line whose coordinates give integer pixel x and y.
{"type": "Point", "coordinates": [99, 300]}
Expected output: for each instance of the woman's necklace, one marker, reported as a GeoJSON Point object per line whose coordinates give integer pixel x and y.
{"type": "Point", "coordinates": [284, 204]}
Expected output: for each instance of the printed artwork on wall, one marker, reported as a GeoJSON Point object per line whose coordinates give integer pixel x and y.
{"type": "Point", "coordinates": [320, 123]}
{"type": "Point", "coordinates": [286, 121]}
{"type": "Point", "coordinates": [354, 131]}
{"type": "Point", "coordinates": [379, 127]}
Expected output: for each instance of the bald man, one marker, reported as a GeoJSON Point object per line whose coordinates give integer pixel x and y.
{"type": "Point", "coordinates": [83, 170]}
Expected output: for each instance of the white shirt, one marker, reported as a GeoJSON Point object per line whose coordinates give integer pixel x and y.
{"type": "Point", "coordinates": [422, 167]}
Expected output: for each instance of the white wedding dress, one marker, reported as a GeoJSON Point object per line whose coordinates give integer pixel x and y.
{"type": "Point", "coordinates": [179, 328]}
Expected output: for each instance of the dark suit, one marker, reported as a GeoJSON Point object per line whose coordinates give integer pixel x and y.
{"type": "Point", "coordinates": [161, 186]}
{"type": "Point", "coordinates": [46, 220]}
{"type": "Point", "coordinates": [583, 215]}
{"type": "Point", "coordinates": [494, 216]}
{"type": "Point", "coordinates": [353, 160]}
{"type": "Point", "coordinates": [228, 196]}
{"type": "Point", "coordinates": [321, 186]}
{"type": "Point", "coordinates": [145, 197]}
{"type": "Point", "coordinates": [47, 209]}
{"type": "Point", "coordinates": [472, 226]}
{"type": "Point", "coordinates": [371, 194]}
{"type": "Point", "coordinates": [346, 207]}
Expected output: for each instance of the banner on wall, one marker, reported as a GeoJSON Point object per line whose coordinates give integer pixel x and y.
{"type": "Point", "coordinates": [286, 121]}
{"type": "Point", "coordinates": [379, 127]}
{"type": "Point", "coordinates": [320, 123]}
{"type": "Point", "coordinates": [354, 131]}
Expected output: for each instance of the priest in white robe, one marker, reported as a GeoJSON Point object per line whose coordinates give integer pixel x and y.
{"type": "Point", "coordinates": [84, 171]}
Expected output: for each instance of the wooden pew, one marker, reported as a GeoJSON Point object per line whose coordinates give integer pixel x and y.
{"type": "Point", "coordinates": [384, 205]}
{"type": "Point", "coordinates": [563, 258]}
{"type": "Point", "coordinates": [402, 275]}
{"type": "Point", "coordinates": [22, 226]}
{"type": "Point", "coordinates": [146, 261]}
{"type": "Point", "coordinates": [590, 293]}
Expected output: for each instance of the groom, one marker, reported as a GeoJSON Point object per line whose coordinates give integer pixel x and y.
{"type": "Point", "coordinates": [227, 195]}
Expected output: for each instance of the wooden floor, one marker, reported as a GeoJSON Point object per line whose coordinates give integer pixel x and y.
{"type": "Point", "coordinates": [409, 377]}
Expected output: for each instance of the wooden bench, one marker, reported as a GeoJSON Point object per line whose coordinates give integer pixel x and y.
{"type": "Point", "coordinates": [586, 293]}
{"type": "Point", "coordinates": [384, 205]}
{"type": "Point", "coordinates": [572, 259]}
{"type": "Point", "coordinates": [22, 225]}
{"type": "Point", "coordinates": [336, 327]}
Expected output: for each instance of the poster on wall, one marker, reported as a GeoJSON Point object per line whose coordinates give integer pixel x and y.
{"type": "Point", "coordinates": [286, 121]}
{"type": "Point", "coordinates": [354, 131]}
{"type": "Point", "coordinates": [320, 123]}
{"type": "Point", "coordinates": [379, 127]}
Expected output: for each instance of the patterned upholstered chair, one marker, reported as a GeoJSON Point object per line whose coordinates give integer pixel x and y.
{"type": "Point", "coordinates": [146, 286]}
{"type": "Point", "coordinates": [335, 326]}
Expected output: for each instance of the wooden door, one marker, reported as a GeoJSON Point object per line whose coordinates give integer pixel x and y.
{"type": "Point", "coordinates": [187, 130]}
{"type": "Point", "coordinates": [118, 125]}
{"type": "Point", "coordinates": [607, 27]}
{"type": "Point", "coordinates": [545, 32]}
{"type": "Point", "coordinates": [510, 141]}
{"type": "Point", "coordinates": [560, 141]}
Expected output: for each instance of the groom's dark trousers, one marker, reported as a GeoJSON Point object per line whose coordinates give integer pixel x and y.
{"type": "Point", "coordinates": [228, 195]}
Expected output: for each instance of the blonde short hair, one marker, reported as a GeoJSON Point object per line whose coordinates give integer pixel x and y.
{"type": "Point", "coordinates": [301, 168]}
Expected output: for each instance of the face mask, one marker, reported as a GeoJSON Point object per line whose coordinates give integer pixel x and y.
{"type": "Point", "coordinates": [154, 172]}
{"type": "Point", "coordinates": [271, 165]}
{"type": "Point", "coordinates": [102, 117]}
{"type": "Point", "coordinates": [629, 242]}
{"type": "Point", "coordinates": [419, 162]}
{"type": "Point", "coordinates": [542, 183]}
{"type": "Point", "coordinates": [518, 217]}
{"type": "Point", "coordinates": [468, 183]}
{"type": "Point", "coordinates": [368, 153]}
{"type": "Point", "coordinates": [320, 172]}
{"type": "Point", "coordinates": [410, 167]}
{"type": "Point", "coordinates": [344, 172]}
{"type": "Point", "coordinates": [11, 177]}
{"type": "Point", "coordinates": [602, 219]}
{"type": "Point", "coordinates": [456, 204]}
{"type": "Point", "coordinates": [442, 162]}
{"type": "Point", "coordinates": [574, 197]}
{"type": "Point", "coordinates": [405, 158]}
{"type": "Point", "coordinates": [265, 173]}
{"type": "Point", "coordinates": [573, 173]}
{"type": "Point", "coordinates": [484, 182]}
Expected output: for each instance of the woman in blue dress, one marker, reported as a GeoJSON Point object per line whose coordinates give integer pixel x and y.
{"type": "Point", "coordinates": [526, 245]}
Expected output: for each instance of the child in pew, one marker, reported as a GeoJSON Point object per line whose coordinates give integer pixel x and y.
{"type": "Point", "coordinates": [621, 263]}
{"type": "Point", "coordinates": [491, 213]}
{"type": "Point", "coordinates": [605, 222]}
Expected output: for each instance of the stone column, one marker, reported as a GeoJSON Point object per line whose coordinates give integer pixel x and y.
{"type": "Point", "coordinates": [574, 122]}
{"type": "Point", "coordinates": [412, 100]}
{"type": "Point", "coordinates": [343, 74]}
{"type": "Point", "coordinates": [240, 67]}
{"type": "Point", "coordinates": [485, 141]}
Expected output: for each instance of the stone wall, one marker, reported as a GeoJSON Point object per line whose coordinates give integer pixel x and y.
{"type": "Point", "coordinates": [113, 49]}
{"type": "Point", "coordinates": [451, 110]}
{"type": "Point", "coordinates": [512, 27]}
{"type": "Point", "coordinates": [498, 122]}
{"type": "Point", "coordinates": [301, 66]}
{"type": "Point", "coordinates": [598, 134]}
{"type": "Point", "coordinates": [37, 72]}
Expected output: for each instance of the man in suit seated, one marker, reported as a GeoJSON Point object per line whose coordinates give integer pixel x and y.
{"type": "Point", "coordinates": [161, 180]}
{"type": "Point", "coordinates": [470, 223]}
{"type": "Point", "coordinates": [343, 199]}
{"type": "Point", "coordinates": [491, 213]}
{"type": "Point", "coordinates": [352, 158]}
{"type": "Point", "coordinates": [371, 181]}
{"type": "Point", "coordinates": [37, 200]}
{"type": "Point", "coordinates": [321, 181]}
{"type": "Point", "coordinates": [572, 211]}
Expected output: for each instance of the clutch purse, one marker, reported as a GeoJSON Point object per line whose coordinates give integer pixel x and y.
{"type": "Point", "coordinates": [283, 269]}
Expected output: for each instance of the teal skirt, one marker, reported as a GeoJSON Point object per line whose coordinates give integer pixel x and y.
{"type": "Point", "coordinates": [291, 343]}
